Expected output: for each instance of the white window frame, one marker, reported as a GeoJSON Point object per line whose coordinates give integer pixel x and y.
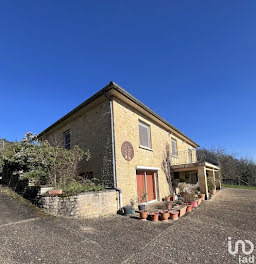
{"type": "Point", "coordinates": [176, 143]}
{"type": "Point", "coordinates": [147, 126]}
{"type": "Point", "coordinates": [190, 155]}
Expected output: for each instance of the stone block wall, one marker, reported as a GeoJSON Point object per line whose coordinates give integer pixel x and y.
{"type": "Point", "coordinates": [126, 122]}
{"type": "Point", "coordinates": [90, 129]}
{"type": "Point", "coordinates": [84, 205]}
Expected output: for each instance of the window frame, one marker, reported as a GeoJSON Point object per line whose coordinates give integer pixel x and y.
{"type": "Point", "coordinates": [65, 143]}
{"type": "Point", "coordinates": [146, 125]}
{"type": "Point", "coordinates": [190, 155]}
{"type": "Point", "coordinates": [176, 143]}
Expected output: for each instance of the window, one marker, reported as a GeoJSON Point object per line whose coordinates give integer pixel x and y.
{"type": "Point", "coordinates": [67, 139]}
{"type": "Point", "coordinates": [144, 131]}
{"type": "Point", "coordinates": [174, 147]}
{"type": "Point", "coordinates": [190, 155]}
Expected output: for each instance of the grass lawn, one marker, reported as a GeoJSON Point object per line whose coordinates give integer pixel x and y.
{"type": "Point", "coordinates": [239, 186]}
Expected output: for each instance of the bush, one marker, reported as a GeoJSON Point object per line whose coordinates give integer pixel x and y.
{"type": "Point", "coordinates": [188, 196]}
{"type": "Point", "coordinates": [40, 163]}
{"type": "Point", "coordinates": [74, 187]}
{"type": "Point", "coordinates": [210, 184]}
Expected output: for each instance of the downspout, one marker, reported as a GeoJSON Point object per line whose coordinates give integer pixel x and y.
{"type": "Point", "coordinates": [113, 151]}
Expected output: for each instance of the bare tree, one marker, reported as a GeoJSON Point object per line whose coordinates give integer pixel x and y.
{"type": "Point", "coordinates": [166, 166]}
{"type": "Point", "coordinates": [235, 170]}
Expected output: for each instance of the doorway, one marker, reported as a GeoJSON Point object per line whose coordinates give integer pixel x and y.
{"type": "Point", "coordinates": [146, 185]}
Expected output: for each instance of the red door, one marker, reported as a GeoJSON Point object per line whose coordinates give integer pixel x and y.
{"type": "Point", "coordinates": [141, 187]}
{"type": "Point", "coordinates": [151, 185]}
{"type": "Point", "coordinates": [146, 186]}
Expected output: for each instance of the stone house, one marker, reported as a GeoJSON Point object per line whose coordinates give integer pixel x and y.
{"type": "Point", "coordinates": [127, 141]}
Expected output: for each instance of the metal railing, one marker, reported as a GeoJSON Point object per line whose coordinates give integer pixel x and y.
{"type": "Point", "coordinates": [184, 157]}
{"type": "Point", "coordinates": [204, 155]}
{"type": "Point", "coordinates": [193, 156]}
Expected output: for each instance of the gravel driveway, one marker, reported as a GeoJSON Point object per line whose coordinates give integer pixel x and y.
{"type": "Point", "coordinates": [28, 236]}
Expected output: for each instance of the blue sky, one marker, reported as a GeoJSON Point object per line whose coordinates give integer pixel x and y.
{"type": "Point", "coordinates": [193, 62]}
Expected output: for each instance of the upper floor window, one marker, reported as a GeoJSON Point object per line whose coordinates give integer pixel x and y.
{"type": "Point", "coordinates": [67, 139]}
{"type": "Point", "coordinates": [174, 147]}
{"type": "Point", "coordinates": [144, 131]}
{"type": "Point", "coordinates": [190, 155]}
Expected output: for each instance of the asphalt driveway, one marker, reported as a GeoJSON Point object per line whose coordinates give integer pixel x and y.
{"type": "Point", "coordinates": [29, 236]}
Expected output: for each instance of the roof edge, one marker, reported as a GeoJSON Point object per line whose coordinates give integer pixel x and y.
{"type": "Point", "coordinates": [79, 107]}
{"type": "Point", "coordinates": [117, 87]}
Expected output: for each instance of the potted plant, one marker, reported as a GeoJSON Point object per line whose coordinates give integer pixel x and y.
{"type": "Point", "coordinates": [168, 205]}
{"type": "Point", "coordinates": [174, 215]}
{"type": "Point", "coordinates": [167, 198]}
{"type": "Point", "coordinates": [143, 215]}
{"type": "Point", "coordinates": [193, 204]}
{"type": "Point", "coordinates": [143, 197]}
{"type": "Point", "coordinates": [173, 197]}
{"type": "Point", "coordinates": [183, 187]}
{"type": "Point", "coordinates": [211, 186]}
{"type": "Point", "coordinates": [164, 216]}
{"type": "Point", "coordinates": [189, 198]}
{"type": "Point", "coordinates": [127, 210]}
{"type": "Point", "coordinates": [132, 202]}
{"type": "Point", "coordinates": [201, 195]}
{"type": "Point", "coordinates": [155, 216]}
{"type": "Point", "coordinates": [182, 210]}
{"type": "Point", "coordinates": [189, 208]}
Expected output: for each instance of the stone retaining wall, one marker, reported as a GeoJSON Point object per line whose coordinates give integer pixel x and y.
{"type": "Point", "coordinates": [84, 205]}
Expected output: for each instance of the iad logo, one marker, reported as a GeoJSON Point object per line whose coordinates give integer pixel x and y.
{"type": "Point", "coordinates": [245, 250]}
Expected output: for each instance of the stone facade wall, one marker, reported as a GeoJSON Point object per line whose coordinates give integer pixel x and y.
{"type": "Point", "coordinates": [85, 205]}
{"type": "Point", "coordinates": [90, 129]}
{"type": "Point", "coordinates": [126, 123]}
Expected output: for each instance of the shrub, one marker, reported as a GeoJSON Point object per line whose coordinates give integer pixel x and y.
{"type": "Point", "coordinates": [210, 184]}
{"type": "Point", "coordinates": [36, 176]}
{"type": "Point", "coordinates": [74, 187]}
{"type": "Point", "coordinates": [41, 163]}
{"type": "Point", "coordinates": [188, 196]}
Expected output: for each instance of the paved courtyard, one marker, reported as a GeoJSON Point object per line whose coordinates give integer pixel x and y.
{"type": "Point", "coordinates": [28, 236]}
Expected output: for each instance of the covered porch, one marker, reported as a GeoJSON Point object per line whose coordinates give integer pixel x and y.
{"type": "Point", "coordinates": [202, 173]}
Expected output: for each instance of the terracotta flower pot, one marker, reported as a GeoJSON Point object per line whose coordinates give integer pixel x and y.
{"type": "Point", "coordinates": [164, 216]}
{"type": "Point", "coordinates": [55, 192]}
{"type": "Point", "coordinates": [189, 208]}
{"type": "Point", "coordinates": [167, 198]}
{"type": "Point", "coordinates": [213, 192]}
{"type": "Point", "coordinates": [194, 204]}
{"type": "Point", "coordinates": [202, 195]}
{"type": "Point", "coordinates": [174, 215]}
{"type": "Point", "coordinates": [143, 215]}
{"type": "Point", "coordinates": [173, 197]}
{"type": "Point", "coordinates": [199, 201]}
{"type": "Point", "coordinates": [182, 210]}
{"type": "Point", "coordinates": [154, 217]}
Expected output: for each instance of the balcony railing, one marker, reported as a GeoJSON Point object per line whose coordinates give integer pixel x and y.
{"type": "Point", "coordinates": [193, 156]}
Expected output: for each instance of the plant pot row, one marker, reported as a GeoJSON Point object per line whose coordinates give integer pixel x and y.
{"type": "Point", "coordinates": [164, 215]}
{"type": "Point", "coordinates": [173, 214]}
{"type": "Point", "coordinates": [170, 198]}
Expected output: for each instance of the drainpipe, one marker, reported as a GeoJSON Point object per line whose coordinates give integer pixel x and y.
{"type": "Point", "coordinates": [113, 151]}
